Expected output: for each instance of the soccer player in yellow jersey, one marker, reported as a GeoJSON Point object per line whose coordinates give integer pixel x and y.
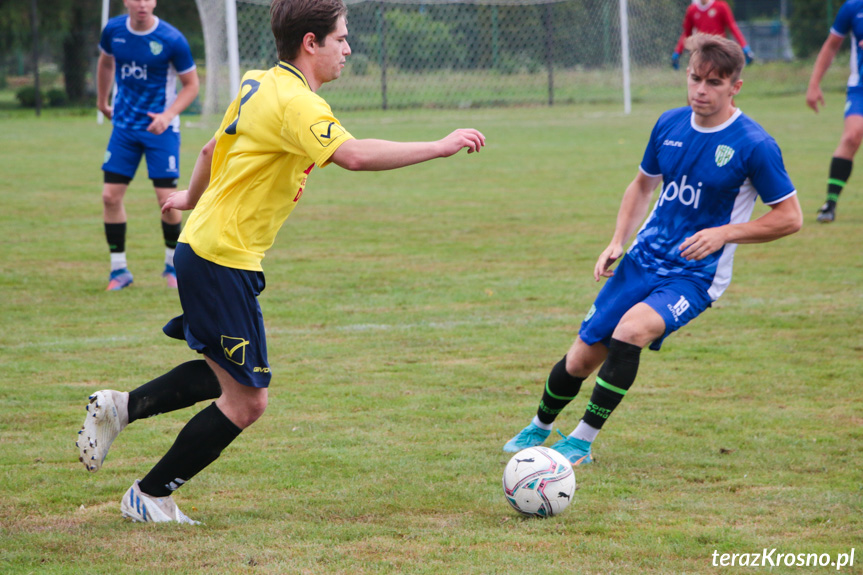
{"type": "Point", "coordinates": [245, 183]}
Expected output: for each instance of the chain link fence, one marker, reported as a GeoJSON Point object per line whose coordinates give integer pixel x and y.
{"type": "Point", "coordinates": [476, 53]}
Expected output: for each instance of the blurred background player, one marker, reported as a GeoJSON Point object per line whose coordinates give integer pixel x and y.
{"type": "Point", "coordinates": [848, 20]}
{"type": "Point", "coordinates": [709, 17]}
{"type": "Point", "coordinates": [713, 162]}
{"type": "Point", "coordinates": [245, 184]}
{"type": "Point", "coordinates": [144, 56]}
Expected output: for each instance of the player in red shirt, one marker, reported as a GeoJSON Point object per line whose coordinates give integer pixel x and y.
{"type": "Point", "coordinates": [709, 17]}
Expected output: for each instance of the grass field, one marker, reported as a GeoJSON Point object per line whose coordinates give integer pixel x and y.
{"type": "Point", "coordinates": [412, 319]}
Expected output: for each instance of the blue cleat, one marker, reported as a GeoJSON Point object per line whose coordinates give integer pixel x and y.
{"type": "Point", "coordinates": [577, 451]}
{"type": "Point", "coordinates": [119, 279]}
{"type": "Point", "coordinates": [530, 436]}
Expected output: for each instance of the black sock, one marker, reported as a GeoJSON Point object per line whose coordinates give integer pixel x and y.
{"type": "Point", "coordinates": [614, 379]}
{"type": "Point", "coordinates": [171, 233]}
{"type": "Point", "coordinates": [116, 236]}
{"type": "Point", "coordinates": [199, 444]}
{"type": "Point", "coordinates": [185, 385]}
{"type": "Point", "coordinates": [560, 389]}
{"type": "Point", "coordinates": [840, 171]}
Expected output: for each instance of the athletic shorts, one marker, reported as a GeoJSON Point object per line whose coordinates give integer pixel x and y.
{"type": "Point", "coordinates": [221, 316]}
{"type": "Point", "coordinates": [678, 299]}
{"type": "Point", "coordinates": [126, 147]}
{"type": "Point", "coordinates": [854, 101]}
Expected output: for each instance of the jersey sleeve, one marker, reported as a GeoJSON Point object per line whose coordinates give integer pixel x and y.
{"type": "Point", "coordinates": [768, 174]}
{"type": "Point", "coordinates": [650, 161]}
{"type": "Point", "coordinates": [687, 29]}
{"type": "Point", "coordinates": [731, 24]}
{"type": "Point", "coordinates": [105, 40]}
{"type": "Point", "coordinates": [844, 20]}
{"type": "Point", "coordinates": [182, 55]}
{"type": "Point", "coordinates": [314, 128]}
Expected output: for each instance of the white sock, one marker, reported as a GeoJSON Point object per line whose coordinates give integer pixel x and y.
{"type": "Point", "coordinates": [169, 257]}
{"type": "Point", "coordinates": [585, 432]}
{"type": "Point", "coordinates": [541, 425]}
{"type": "Point", "coordinates": [118, 261]}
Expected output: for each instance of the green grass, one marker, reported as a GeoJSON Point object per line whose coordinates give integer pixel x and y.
{"type": "Point", "coordinates": [412, 318]}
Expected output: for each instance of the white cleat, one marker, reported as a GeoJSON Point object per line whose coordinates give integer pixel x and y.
{"type": "Point", "coordinates": [143, 508]}
{"type": "Point", "coordinates": [107, 415]}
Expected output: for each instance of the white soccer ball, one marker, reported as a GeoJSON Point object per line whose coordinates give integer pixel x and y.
{"type": "Point", "coordinates": [538, 481]}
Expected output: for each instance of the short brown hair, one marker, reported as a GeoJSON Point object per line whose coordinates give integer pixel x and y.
{"type": "Point", "coordinates": [291, 20]}
{"type": "Point", "coordinates": [709, 53]}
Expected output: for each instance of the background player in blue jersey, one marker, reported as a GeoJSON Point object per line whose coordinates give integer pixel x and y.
{"type": "Point", "coordinates": [144, 56]}
{"type": "Point", "coordinates": [849, 20]}
{"type": "Point", "coordinates": [713, 162]}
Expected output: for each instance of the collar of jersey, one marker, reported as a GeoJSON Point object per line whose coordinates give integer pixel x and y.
{"type": "Point", "coordinates": [145, 32]}
{"type": "Point", "coordinates": [295, 71]}
{"type": "Point", "coordinates": [718, 128]}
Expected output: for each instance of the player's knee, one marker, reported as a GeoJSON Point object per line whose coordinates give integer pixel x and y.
{"type": "Point", "coordinates": [851, 140]}
{"type": "Point", "coordinates": [111, 198]}
{"type": "Point", "coordinates": [252, 410]}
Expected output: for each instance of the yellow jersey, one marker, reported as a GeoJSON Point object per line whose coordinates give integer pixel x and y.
{"type": "Point", "coordinates": [271, 137]}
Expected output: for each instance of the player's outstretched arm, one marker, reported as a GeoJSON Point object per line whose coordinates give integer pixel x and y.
{"type": "Point", "coordinates": [633, 209]}
{"type": "Point", "coordinates": [814, 96]}
{"type": "Point", "coordinates": [376, 155]}
{"type": "Point", "coordinates": [188, 199]}
{"type": "Point", "coordinates": [783, 219]}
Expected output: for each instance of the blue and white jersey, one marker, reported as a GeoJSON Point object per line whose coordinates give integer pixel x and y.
{"type": "Point", "coordinates": [146, 66]}
{"type": "Point", "coordinates": [849, 19]}
{"type": "Point", "coordinates": [710, 177]}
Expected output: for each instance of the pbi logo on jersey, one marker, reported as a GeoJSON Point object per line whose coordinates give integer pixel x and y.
{"type": "Point", "coordinates": [156, 47]}
{"type": "Point", "coordinates": [327, 132]}
{"type": "Point", "coordinates": [235, 349]}
{"type": "Point", "coordinates": [133, 71]}
{"type": "Point", "coordinates": [686, 194]}
{"type": "Point", "coordinates": [679, 308]}
{"type": "Point", "coordinates": [723, 155]}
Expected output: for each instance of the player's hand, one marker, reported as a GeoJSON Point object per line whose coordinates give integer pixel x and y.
{"type": "Point", "coordinates": [610, 255]}
{"type": "Point", "coordinates": [748, 54]}
{"type": "Point", "coordinates": [468, 138]}
{"type": "Point", "coordinates": [178, 200]}
{"type": "Point", "coordinates": [108, 111]}
{"type": "Point", "coordinates": [701, 244]}
{"type": "Point", "coordinates": [160, 122]}
{"type": "Point", "coordinates": [814, 97]}
{"type": "Point", "coordinates": [675, 61]}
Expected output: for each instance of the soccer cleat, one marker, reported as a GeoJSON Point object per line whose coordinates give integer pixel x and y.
{"type": "Point", "coordinates": [107, 415]}
{"type": "Point", "coordinates": [119, 279]}
{"type": "Point", "coordinates": [826, 213]}
{"type": "Point", "coordinates": [170, 275]}
{"type": "Point", "coordinates": [143, 508]}
{"type": "Point", "coordinates": [530, 436]}
{"type": "Point", "coordinates": [577, 451]}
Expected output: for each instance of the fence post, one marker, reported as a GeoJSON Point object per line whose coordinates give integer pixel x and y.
{"type": "Point", "coordinates": [382, 31]}
{"type": "Point", "coordinates": [549, 61]}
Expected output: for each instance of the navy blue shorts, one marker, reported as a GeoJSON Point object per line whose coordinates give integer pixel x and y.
{"type": "Point", "coordinates": [678, 299]}
{"type": "Point", "coordinates": [126, 147]}
{"type": "Point", "coordinates": [221, 316]}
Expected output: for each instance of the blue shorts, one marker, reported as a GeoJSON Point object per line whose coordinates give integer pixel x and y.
{"type": "Point", "coordinates": [678, 299]}
{"type": "Point", "coordinates": [126, 147]}
{"type": "Point", "coordinates": [221, 316]}
{"type": "Point", "coordinates": [854, 101]}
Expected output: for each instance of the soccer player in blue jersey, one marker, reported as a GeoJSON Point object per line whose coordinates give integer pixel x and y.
{"type": "Point", "coordinates": [713, 162]}
{"type": "Point", "coordinates": [849, 20]}
{"type": "Point", "coordinates": [245, 184]}
{"type": "Point", "coordinates": [144, 56]}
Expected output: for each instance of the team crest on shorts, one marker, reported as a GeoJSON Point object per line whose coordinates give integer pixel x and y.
{"type": "Point", "coordinates": [235, 349]}
{"type": "Point", "coordinates": [723, 155]}
{"type": "Point", "coordinates": [156, 48]}
{"type": "Point", "coordinates": [590, 313]}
